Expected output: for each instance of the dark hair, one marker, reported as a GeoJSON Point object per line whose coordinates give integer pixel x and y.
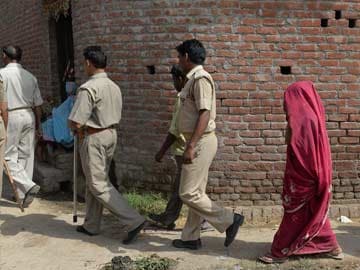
{"type": "Point", "coordinates": [177, 72]}
{"type": "Point", "coordinates": [13, 52]}
{"type": "Point", "coordinates": [96, 56]}
{"type": "Point", "coordinates": [194, 49]}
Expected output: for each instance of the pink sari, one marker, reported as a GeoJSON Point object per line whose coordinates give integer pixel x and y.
{"type": "Point", "coordinates": [305, 227]}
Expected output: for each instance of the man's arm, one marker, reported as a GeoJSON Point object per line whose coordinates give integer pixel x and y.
{"type": "Point", "coordinates": [4, 113]}
{"type": "Point", "coordinates": [38, 113]}
{"type": "Point", "coordinates": [203, 95]}
{"type": "Point", "coordinates": [3, 104]}
{"type": "Point", "coordinates": [170, 139]}
{"type": "Point", "coordinates": [73, 125]}
{"type": "Point", "coordinates": [81, 110]}
{"type": "Point", "coordinates": [201, 124]}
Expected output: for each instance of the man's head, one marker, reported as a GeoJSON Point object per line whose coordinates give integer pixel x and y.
{"type": "Point", "coordinates": [95, 60]}
{"type": "Point", "coordinates": [11, 54]}
{"type": "Point", "coordinates": [178, 77]}
{"type": "Point", "coordinates": [191, 53]}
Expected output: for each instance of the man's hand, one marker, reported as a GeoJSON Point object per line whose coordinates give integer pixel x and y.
{"type": "Point", "coordinates": [159, 155]}
{"type": "Point", "coordinates": [38, 134]}
{"type": "Point", "coordinates": [189, 154]}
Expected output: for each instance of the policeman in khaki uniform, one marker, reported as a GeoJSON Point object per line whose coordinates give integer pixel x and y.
{"type": "Point", "coordinates": [197, 123]}
{"type": "Point", "coordinates": [3, 125]}
{"type": "Point", "coordinates": [96, 112]}
{"type": "Point", "coordinates": [24, 115]}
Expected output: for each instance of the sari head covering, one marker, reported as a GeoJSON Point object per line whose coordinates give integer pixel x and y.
{"type": "Point", "coordinates": [308, 173]}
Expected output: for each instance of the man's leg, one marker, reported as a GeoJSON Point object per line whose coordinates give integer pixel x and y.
{"type": "Point", "coordinates": [174, 205]}
{"type": "Point", "coordinates": [26, 146]}
{"type": "Point", "coordinates": [17, 171]}
{"type": "Point", "coordinates": [96, 153]}
{"type": "Point", "coordinates": [93, 214]}
{"type": "Point", "coordinates": [193, 183]}
{"type": "Point", "coordinates": [2, 150]}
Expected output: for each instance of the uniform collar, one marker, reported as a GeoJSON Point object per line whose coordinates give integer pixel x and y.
{"type": "Point", "coordinates": [193, 70]}
{"type": "Point", "coordinates": [99, 75]}
{"type": "Point", "coordinates": [14, 65]}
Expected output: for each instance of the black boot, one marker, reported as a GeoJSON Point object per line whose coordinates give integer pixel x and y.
{"type": "Point", "coordinates": [193, 244]}
{"type": "Point", "coordinates": [232, 230]}
{"type": "Point", "coordinates": [132, 234]}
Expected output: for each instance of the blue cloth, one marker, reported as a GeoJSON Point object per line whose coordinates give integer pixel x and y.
{"type": "Point", "coordinates": [56, 128]}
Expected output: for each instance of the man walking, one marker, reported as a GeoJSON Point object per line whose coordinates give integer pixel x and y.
{"type": "Point", "coordinates": [24, 113]}
{"type": "Point", "coordinates": [176, 141]}
{"type": "Point", "coordinates": [197, 123]}
{"type": "Point", "coordinates": [96, 112]}
{"type": "Point", "coordinates": [3, 125]}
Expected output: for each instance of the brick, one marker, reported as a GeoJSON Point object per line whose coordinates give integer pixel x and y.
{"type": "Point", "coordinates": [354, 211]}
{"type": "Point", "coordinates": [349, 140]}
{"type": "Point", "coordinates": [343, 189]}
{"type": "Point", "coordinates": [350, 125]}
{"type": "Point", "coordinates": [272, 133]}
{"type": "Point", "coordinates": [245, 189]}
{"type": "Point", "coordinates": [273, 157]}
{"type": "Point", "coordinates": [261, 166]}
{"type": "Point", "coordinates": [249, 157]}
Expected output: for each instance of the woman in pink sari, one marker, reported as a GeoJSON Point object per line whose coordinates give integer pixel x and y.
{"type": "Point", "coordinates": [305, 227]}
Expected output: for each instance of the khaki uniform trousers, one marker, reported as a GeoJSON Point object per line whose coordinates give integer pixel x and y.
{"type": "Point", "coordinates": [2, 150]}
{"type": "Point", "coordinates": [194, 178]}
{"type": "Point", "coordinates": [20, 147]}
{"type": "Point", "coordinates": [96, 153]}
{"type": "Point", "coordinates": [174, 205]}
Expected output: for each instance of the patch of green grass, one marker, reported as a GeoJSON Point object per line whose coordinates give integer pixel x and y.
{"type": "Point", "coordinates": [146, 203]}
{"type": "Point", "coordinates": [154, 262]}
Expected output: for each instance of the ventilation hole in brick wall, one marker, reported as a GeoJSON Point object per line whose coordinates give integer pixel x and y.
{"type": "Point", "coordinates": [352, 23]}
{"type": "Point", "coordinates": [338, 14]}
{"type": "Point", "coordinates": [286, 70]}
{"type": "Point", "coordinates": [151, 69]}
{"type": "Point", "coordinates": [324, 22]}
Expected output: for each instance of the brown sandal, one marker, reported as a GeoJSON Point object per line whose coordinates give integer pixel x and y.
{"type": "Point", "coordinates": [270, 259]}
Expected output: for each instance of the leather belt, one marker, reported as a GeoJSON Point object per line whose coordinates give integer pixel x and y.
{"type": "Point", "coordinates": [86, 130]}
{"type": "Point", "coordinates": [20, 108]}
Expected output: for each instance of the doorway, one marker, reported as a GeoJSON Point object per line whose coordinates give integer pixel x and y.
{"type": "Point", "coordinates": [65, 51]}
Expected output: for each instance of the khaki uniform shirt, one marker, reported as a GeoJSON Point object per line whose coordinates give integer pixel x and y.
{"type": "Point", "coordinates": [98, 103]}
{"type": "Point", "coordinates": [21, 87]}
{"type": "Point", "coordinates": [178, 147]}
{"type": "Point", "coordinates": [197, 94]}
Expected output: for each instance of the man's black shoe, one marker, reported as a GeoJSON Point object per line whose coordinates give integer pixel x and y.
{"type": "Point", "coordinates": [158, 218]}
{"type": "Point", "coordinates": [30, 195]}
{"type": "Point", "coordinates": [132, 234]}
{"type": "Point", "coordinates": [232, 230]}
{"type": "Point", "coordinates": [160, 221]}
{"type": "Point", "coordinates": [171, 226]}
{"type": "Point", "coordinates": [84, 231]}
{"type": "Point", "coordinates": [193, 244]}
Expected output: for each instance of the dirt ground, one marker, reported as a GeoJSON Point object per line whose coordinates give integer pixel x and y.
{"type": "Point", "coordinates": [44, 238]}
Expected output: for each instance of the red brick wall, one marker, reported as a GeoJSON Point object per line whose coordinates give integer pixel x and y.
{"type": "Point", "coordinates": [23, 23]}
{"type": "Point", "coordinates": [247, 42]}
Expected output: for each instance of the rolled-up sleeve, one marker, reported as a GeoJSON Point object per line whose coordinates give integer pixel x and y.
{"type": "Point", "coordinates": [203, 94]}
{"type": "Point", "coordinates": [83, 107]}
